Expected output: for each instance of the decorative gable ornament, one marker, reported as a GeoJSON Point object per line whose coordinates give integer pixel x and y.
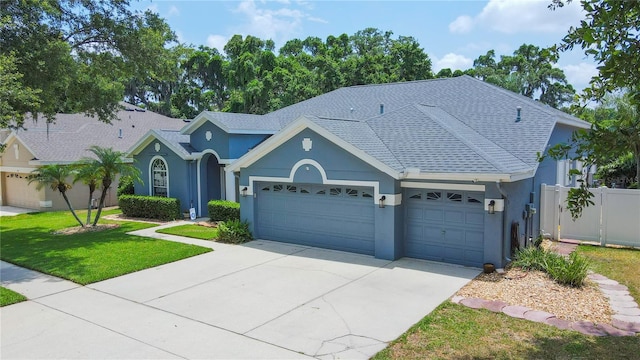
{"type": "Point", "coordinates": [306, 144]}
{"type": "Point", "coordinates": [157, 147]}
{"type": "Point", "coordinates": [208, 135]}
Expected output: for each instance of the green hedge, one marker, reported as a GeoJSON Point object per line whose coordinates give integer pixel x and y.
{"type": "Point", "coordinates": [150, 207]}
{"type": "Point", "coordinates": [223, 210]}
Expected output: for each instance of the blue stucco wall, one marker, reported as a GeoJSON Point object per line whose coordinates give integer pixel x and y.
{"type": "Point", "coordinates": [182, 174]}
{"type": "Point", "coordinates": [338, 165]}
{"type": "Point", "coordinates": [240, 144]}
{"type": "Point", "coordinates": [219, 140]}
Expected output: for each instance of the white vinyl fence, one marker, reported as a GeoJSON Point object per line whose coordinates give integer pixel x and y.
{"type": "Point", "coordinates": [613, 220]}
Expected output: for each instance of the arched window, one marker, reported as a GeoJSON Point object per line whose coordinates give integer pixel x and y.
{"type": "Point", "coordinates": [159, 178]}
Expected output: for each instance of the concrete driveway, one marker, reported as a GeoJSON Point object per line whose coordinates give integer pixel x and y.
{"type": "Point", "coordinates": [259, 300]}
{"type": "Point", "coordinates": [13, 211]}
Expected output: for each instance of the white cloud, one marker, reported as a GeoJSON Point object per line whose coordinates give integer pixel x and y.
{"type": "Point", "coordinates": [462, 24]}
{"type": "Point", "coordinates": [266, 23]}
{"type": "Point", "coordinates": [579, 75]}
{"type": "Point", "coordinates": [217, 41]}
{"type": "Point", "coordinates": [452, 61]}
{"type": "Point", "coordinates": [173, 11]}
{"type": "Point", "coordinates": [511, 17]}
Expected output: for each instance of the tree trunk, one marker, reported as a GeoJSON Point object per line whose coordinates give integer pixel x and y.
{"type": "Point", "coordinates": [66, 199]}
{"type": "Point", "coordinates": [89, 207]}
{"type": "Point", "coordinates": [103, 195]}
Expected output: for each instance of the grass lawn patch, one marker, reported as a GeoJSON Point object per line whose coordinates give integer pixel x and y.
{"type": "Point", "coordinates": [8, 297]}
{"type": "Point", "coordinates": [454, 331]}
{"type": "Point", "coordinates": [621, 265]}
{"type": "Point", "coordinates": [192, 231]}
{"type": "Point", "coordinates": [28, 240]}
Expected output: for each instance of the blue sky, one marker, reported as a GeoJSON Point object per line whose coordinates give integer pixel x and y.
{"type": "Point", "coordinates": [453, 33]}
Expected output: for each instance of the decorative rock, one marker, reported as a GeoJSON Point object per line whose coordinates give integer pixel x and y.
{"type": "Point", "coordinates": [588, 328]}
{"type": "Point", "coordinates": [624, 325]}
{"type": "Point", "coordinates": [473, 303]}
{"type": "Point", "coordinates": [495, 306]}
{"type": "Point", "coordinates": [561, 324]}
{"type": "Point", "coordinates": [614, 287]}
{"type": "Point", "coordinates": [537, 316]}
{"type": "Point", "coordinates": [629, 319]}
{"type": "Point", "coordinates": [456, 299]}
{"type": "Point", "coordinates": [516, 311]}
{"type": "Point", "coordinates": [614, 331]}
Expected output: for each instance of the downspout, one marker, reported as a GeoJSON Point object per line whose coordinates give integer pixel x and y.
{"type": "Point", "coordinates": [505, 251]}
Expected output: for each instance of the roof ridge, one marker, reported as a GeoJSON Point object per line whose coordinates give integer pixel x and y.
{"type": "Point", "coordinates": [479, 151]}
{"type": "Point", "coordinates": [397, 83]}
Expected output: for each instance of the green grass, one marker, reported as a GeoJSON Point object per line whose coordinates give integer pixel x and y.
{"type": "Point", "coordinates": [8, 297]}
{"type": "Point", "coordinates": [192, 231]}
{"type": "Point", "coordinates": [454, 331]}
{"type": "Point", "coordinates": [28, 241]}
{"type": "Point", "coordinates": [622, 265]}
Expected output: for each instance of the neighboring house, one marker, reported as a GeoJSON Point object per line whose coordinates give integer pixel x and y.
{"type": "Point", "coordinates": [64, 142]}
{"type": "Point", "coordinates": [437, 169]}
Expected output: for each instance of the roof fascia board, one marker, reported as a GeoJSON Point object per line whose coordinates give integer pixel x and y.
{"type": "Point", "coordinates": [471, 177]}
{"type": "Point", "coordinates": [148, 139]}
{"type": "Point", "coordinates": [573, 122]}
{"type": "Point", "coordinates": [296, 127]}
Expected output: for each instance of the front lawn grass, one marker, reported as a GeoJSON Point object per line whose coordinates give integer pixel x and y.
{"type": "Point", "coordinates": [27, 240]}
{"type": "Point", "coordinates": [192, 231]}
{"type": "Point", "coordinates": [8, 297]}
{"type": "Point", "coordinates": [621, 265]}
{"type": "Point", "coordinates": [454, 331]}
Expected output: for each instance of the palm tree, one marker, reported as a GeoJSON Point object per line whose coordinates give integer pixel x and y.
{"type": "Point", "coordinates": [55, 176]}
{"type": "Point", "coordinates": [87, 172]}
{"type": "Point", "coordinates": [109, 164]}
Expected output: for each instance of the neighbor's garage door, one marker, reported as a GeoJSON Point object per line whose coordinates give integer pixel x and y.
{"type": "Point", "coordinates": [333, 217]}
{"type": "Point", "coordinates": [444, 225]}
{"type": "Point", "coordinates": [18, 192]}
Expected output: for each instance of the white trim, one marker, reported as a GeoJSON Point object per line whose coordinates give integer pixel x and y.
{"type": "Point", "coordinates": [442, 186]}
{"type": "Point", "coordinates": [295, 128]}
{"type": "Point", "coordinates": [472, 177]}
{"type": "Point", "coordinates": [166, 164]}
{"type": "Point", "coordinates": [200, 155]}
{"type": "Point", "coordinates": [230, 185]}
{"type": "Point", "coordinates": [17, 169]}
{"type": "Point", "coordinates": [148, 139]}
{"type": "Point", "coordinates": [14, 136]}
{"type": "Point", "coordinates": [391, 199]}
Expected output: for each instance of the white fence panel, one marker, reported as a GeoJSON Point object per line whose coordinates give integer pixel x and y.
{"type": "Point", "coordinates": [614, 219]}
{"type": "Point", "coordinates": [587, 226]}
{"type": "Point", "coordinates": [621, 217]}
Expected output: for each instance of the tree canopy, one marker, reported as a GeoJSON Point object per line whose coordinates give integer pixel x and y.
{"type": "Point", "coordinates": [74, 55]}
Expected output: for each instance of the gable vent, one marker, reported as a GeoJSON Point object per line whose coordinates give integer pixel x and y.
{"type": "Point", "coordinates": [381, 109]}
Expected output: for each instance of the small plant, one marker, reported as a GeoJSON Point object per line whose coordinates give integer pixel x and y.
{"type": "Point", "coordinates": [125, 186]}
{"type": "Point", "coordinates": [234, 232]}
{"type": "Point", "coordinates": [571, 271]}
{"type": "Point", "coordinates": [223, 210]}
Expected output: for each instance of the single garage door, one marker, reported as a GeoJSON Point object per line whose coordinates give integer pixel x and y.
{"type": "Point", "coordinates": [18, 192]}
{"type": "Point", "coordinates": [444, 225]}
{"type": "Point", "coordinates": [332, 217]}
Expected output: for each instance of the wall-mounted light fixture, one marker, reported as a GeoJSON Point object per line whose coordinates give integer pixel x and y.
{"type": "Point", "coordinates": [244, 191]}
{"type": "Point", "coordinates": [491, 208]}
{"type": "Point", "coordinates": [381, 201]}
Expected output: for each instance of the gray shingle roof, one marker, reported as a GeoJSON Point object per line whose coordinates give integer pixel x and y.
{"type": "Point", "coordinates": [181, 143]}
{"type": "Point", "coordinates": [72, 134]}
{"type": "Point", "coordinates": [244, 122]}
{"type": "Point", "coordinates": [467, 126]}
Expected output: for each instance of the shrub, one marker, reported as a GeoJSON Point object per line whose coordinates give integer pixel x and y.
{"type": "Point", "coordinates": [223, 210]}
{"type": "Point", "coordinates": [150, 207]}
{"type": "Point", "coordinates": [125, 186]}
{"type": "Point", "coordinates": [571, 271]}
{"type": "Point", "coordinates": [234, 232]}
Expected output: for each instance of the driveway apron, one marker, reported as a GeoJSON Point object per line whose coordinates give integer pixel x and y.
{"type": "Point", "coordinates": [259, 300]}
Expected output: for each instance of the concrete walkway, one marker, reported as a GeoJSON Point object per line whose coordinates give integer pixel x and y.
{"type": "Point", "coordinates": [259, 300]}
{"type": "Point", "coordinates": [13, 211]}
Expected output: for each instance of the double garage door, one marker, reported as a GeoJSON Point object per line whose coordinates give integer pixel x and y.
{"type": "Point", "coordinates": [327, 216]}
{"type": "Point", "coordinates": [444, 225]}
{"type": "Point", "coordinates": [439, 225]}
